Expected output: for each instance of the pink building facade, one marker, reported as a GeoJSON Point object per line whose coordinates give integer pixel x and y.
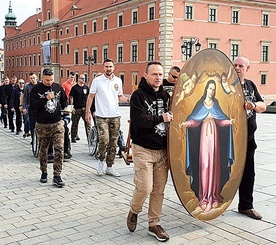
{"type": "Point", "coordinates": [135, 32]}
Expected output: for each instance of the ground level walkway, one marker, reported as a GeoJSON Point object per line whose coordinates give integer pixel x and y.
{"type": "Point", "coordinates": [92, 209]}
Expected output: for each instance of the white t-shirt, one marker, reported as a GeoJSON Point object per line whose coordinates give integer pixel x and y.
{"type": "Point", "coordinates": [106, 95]}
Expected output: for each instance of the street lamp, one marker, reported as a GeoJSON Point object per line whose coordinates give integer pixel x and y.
{"type": "Point", "coordinates": [186, 47]}
{"type": "Point", "coordinates": [89, 61]}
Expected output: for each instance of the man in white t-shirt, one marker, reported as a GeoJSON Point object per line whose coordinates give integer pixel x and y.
{"type": "Point", "coordinates": [107, 90]}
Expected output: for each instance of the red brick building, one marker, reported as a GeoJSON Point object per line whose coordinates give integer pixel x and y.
{"type": "Point", "coordinates": [133, 32]}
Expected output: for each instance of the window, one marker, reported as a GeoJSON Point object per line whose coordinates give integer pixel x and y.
{"type": "Point", "coordinates": [67, 48]}
{"type": "Point", "coordinates": [265, 52]}
{"type": "Point", "coordinates": [235, 16]}
{"type": "Point", "coordinates": [76, 57]}
{"type": "Point", "coordinates": [48, 35]}
{"type": "Point", "coordinates": [120, 20]}
{"type": "Point", "coordinates": [95, 55]}
{"type": "Point", "coordinates": [213, 14]}
{"type": "Point", "coordinates": [134, 16]}
{"type": "Point", "coordinates": [234, 50]}
{"type": "Point", "coordinates": [61, 48]}
{"type": "Point", "coordinates": [151, 12]}
{"type": "Point", "coordinates": [212, 45]}
{"type": "Point", "coordinates": [189, 12]}
{"type": "Point", "coordinates": [76, 30]}
{"type": "Point", "coordinates": [119, 53]}
{"type": "Point", "coordinates": [49, 14]}
{"type": "Point", "coordinates": [67, 30]}
{"type": "Point", "coordinates": [61, 72]}
{"type": "Point", "coordinates": [60, 32]}
{"type": "Point", "coordinates": [263, 78]}
{"type": "Point", "coordinates": [265, 19]}
{"type": "Point", "coordinates": [94, 27]}
{"type": "Point", "coordinates": [105, 23]}
{"type": "Point", "coordinates": [85, 54]}
{"type": "Point", "coordinates": [150, 50]}
{"type": "Point", "coordinates": [38, 39]}
{"type": "Point", "coordinates": [34, 60]}
{"type": "Point", "coordinates": [105, 52]}
{"type": "Point", "coordinates": [34, 43]}
{"type": "Point", "coordinates": [84, 28]}
{"type": "Point", "coordinates": [134, 52]}
{"type": "Point", "coordinates": [122, 76]}
{"type": "Point", "coordinates": [30, 60]}
{"type": "Point", "coordinates": [39, 60]}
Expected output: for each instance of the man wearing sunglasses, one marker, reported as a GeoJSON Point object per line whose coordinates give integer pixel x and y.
{"type": "Point", "coordinates": [168, 84]}
{"type": "Point", "coordinates": [78, 97]}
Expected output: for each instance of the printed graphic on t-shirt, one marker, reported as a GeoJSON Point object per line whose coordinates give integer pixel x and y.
{"type": "Point", "coordinates": [51, 105]}
{"type": "Point", "coordinates": [161, 128]}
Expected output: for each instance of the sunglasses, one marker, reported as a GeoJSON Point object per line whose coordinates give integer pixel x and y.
{"type": "Point", "coordinates": [173, 76]}
{"type": "Point", "coordinates": [21, 83]}
{"type": "Point", "coordinates": [82, 78]}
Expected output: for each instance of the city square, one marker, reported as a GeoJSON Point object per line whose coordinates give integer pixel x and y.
{"type": "Point", "coordinates": [92, 209]}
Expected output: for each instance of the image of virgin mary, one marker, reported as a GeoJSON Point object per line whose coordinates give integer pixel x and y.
{"type": "Point", "coordinates": [209, 149]}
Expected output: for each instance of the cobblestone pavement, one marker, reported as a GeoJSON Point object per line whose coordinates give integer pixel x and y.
{"type": "Point", "coordinates": [92, 209]}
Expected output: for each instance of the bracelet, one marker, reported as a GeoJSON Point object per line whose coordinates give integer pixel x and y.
{"type": "Point", "coordinates": [254, 104]}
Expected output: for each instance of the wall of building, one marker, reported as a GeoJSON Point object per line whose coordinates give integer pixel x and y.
{"type": "Point", "coordinates": [167, 30]}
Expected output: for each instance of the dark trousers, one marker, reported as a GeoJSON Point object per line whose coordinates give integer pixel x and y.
{"type": "Point", "coordinates": [10, 116]}
{"type": "Point", "coordinates": [4, 116]}
{"type": "Point", "coordinates": [26, 121]}
{"type": "Point", "coordinates": [18, 119]}
{"type": "Point", "coordinates": [248, 179]}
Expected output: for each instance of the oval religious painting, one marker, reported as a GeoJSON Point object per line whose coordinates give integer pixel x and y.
{"type": "Point", "coordinates": [208, 136]}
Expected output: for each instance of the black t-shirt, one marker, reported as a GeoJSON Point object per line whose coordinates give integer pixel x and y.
{"type": "Point", "coordinates": [251, 93]}
{"type": "Point", "coordinates": [79, 94]}
{"type": "Point", "coordinates": [47, 111]}
{"type": "Point", "coordinates": [168, 87]}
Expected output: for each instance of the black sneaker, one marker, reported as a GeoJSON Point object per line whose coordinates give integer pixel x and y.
{"type": "Point", "coordinates": [43, 178]}
{"type": "Point", "coordinates": [67, 155]}
{"type": "Point", "coordinates": [57, 181]}
{"type": "Point", "coordinates": [73, 140]}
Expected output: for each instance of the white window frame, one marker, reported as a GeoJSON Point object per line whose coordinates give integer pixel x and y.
{"type": "Point", "coordinates": [191, 5]}
{"type": "Point", "coordinates": [234, 10]}
{"type": "Point", "coordinates": [149, 41]}
{"type": "Point", "coordinates": [215, 7]}
{"type": "Point", "coordinates": [149, 7]}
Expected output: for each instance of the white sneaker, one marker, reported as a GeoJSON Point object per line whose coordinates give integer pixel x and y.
{"type": "Point", "coordinates": [100, 168]}
{"type": "Point", "coordinates": [111, 171]}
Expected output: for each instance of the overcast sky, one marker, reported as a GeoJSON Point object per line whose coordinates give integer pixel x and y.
{"type": "Point", "coordinates": [22, 10]}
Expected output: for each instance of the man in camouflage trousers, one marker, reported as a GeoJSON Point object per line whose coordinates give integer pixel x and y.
{"type": "Point", "coordinates": [107, 90]}
{"type": "Point", "coordinates": [47, 99]}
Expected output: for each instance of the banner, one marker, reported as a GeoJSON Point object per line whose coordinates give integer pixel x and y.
{"type": "Point", "coordinates": [46, 46]}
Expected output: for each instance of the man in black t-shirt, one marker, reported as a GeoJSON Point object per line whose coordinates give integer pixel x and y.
{"type": "Point", "coordinates": [253, 104]}
{"type": "Point", "coordinates": [77, 97]}
{"type": "Point", "coordinates": [47, 99]}
{"type": "Point", "coordinates": [168, 84]}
